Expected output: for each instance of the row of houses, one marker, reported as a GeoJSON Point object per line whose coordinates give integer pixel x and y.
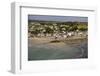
{"type": "Point", "coordinates": [60, 35]}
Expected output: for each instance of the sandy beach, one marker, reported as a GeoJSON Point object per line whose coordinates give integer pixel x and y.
{"type": "Point", "coordinates": [45, 49]}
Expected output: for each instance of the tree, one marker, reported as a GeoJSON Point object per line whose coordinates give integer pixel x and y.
{"type": "Point", "coordinates": [82, 27]}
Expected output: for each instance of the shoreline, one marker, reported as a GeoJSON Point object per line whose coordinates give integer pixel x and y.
{"type": "Point", "coordinates": [51, 40]}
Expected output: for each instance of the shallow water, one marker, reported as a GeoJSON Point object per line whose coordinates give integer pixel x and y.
{"type": "Point", "coordinates": [50, 51]}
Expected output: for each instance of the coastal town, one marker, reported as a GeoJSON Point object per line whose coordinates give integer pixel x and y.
{"type": "Point", "coordinates": [57, 31]}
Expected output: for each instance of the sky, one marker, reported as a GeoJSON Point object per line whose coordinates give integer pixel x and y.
{"type": "Point", "coordinates": [58, 18]}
